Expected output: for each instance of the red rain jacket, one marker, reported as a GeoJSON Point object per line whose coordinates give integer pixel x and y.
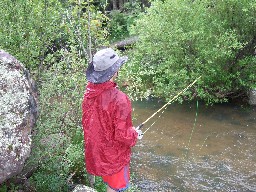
{"type": "Point", "coordinates": [108, 129]}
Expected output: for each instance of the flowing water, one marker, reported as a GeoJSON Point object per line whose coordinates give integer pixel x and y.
{"type": "Point", "coordinates": [218, 153]}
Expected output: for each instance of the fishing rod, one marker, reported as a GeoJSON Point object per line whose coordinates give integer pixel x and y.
{"type": "Point", "coordinates": [164, 106]}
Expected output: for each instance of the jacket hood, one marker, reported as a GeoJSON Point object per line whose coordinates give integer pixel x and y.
{"type": "Point", "coordinates": [93, 90]}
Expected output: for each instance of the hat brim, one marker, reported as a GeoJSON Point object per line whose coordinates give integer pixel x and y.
{"type": "Point", "coordinates": [103, 76]}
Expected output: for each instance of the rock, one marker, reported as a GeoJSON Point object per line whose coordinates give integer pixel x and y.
{"type": "Point", "coordinates": [122, 45]}
{"type": "Point", "coordinates": [83, 188]}
{"type": "Point", "coordinates": [252, 97]}
{"type": "Point", "coordinates": [18, 113]}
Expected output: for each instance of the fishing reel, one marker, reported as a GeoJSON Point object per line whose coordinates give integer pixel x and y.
{"type": "Point", "coordinates": [140, 126]}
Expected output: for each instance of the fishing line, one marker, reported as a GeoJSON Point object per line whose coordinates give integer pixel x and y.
{"type": "Point", "coordinates": [192, 131]}
{"type": "Point", "coordinates": [204, 142]}
{"type": "Point", "coordinates": [206, 139]}
{"type": "Point", "coordinates": [155, 120]}
{"type": "Point", "coordinates": [169, 102]}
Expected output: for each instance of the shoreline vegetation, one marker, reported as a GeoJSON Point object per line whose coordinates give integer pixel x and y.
{"type": "Point", "coordinates": [176, 42]}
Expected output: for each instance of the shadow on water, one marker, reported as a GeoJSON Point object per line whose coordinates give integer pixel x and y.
{"type": "Point", "coordinates": [218, 154]}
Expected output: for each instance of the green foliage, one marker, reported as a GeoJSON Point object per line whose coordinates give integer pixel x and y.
{"type": "Point", "coordinates": [32, 29]}
{"type": "Point", "coordinates": [118, 25]}
{"type": "Point", "coordinates": [75, 153]}
{"type": "Point", "coordinates": [121, 21]}
{"type": "Point", "coordinates": [100, 185]}
{"type": "Point", "coordinates": [50, 38]}
{"type": "Point", "coordinates": [58, 140]}
{"type": "Point", "coordinates": [28, 28]}
{"type": "Point", "coordinates": [8, 188]}
{"type": "Point", "coordinates": [58, 144]}
{"type": "Point", "coordinates": [49, 181]}
{"type": "Point", "coordinates": [3, 188]}
{"type": "Point", "coordinates": [181, 40]}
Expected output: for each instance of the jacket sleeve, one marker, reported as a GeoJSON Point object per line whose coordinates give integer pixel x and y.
{"type": "Point", "coordinates": [124, 131]}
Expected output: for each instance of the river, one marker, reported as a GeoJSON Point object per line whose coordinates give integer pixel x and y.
{"type": "Point", "coordinates": [190, 148]}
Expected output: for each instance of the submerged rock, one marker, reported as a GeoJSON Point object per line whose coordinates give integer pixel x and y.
{"type": "Point", "coordinates": [18, 114]}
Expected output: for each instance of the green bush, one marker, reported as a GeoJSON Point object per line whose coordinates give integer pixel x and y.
{"type": "Point", "coordinates": [58, 143]}
{"type": "Point", "coordinates": [118, 25]}
{"type": "Point", "coordinates": [181, 40]}
{"type": "Point", "coordinates": [28, 28]}
{"type": "Point", "coordinates": [121, 21]}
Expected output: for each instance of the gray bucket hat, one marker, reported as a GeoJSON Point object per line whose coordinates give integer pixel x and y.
{"type": "Point", "coordinates": [104, 65]}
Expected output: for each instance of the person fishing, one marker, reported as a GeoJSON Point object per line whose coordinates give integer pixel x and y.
{"type": "Point", "coordinates": [109, 134]}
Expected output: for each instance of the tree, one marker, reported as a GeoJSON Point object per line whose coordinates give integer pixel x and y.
{"type": "Point", "coordinates": [31, 30]}
{"type": "Point", "coordinates": [181, 40]}
{"type": "Point", "coordinates": [28, 29]}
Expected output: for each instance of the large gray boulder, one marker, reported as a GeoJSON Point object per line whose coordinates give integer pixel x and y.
{"type": "Point", "coordinates": [18, 114]}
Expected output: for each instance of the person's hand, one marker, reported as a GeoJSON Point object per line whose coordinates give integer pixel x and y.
{"type": "Point", "coordinates": [140, 134]}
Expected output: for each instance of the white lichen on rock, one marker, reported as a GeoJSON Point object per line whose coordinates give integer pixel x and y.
{"type": "Point", "coordinates": [14, 96]}
{"type": "Point", "coordinates": [14, 103]}
{"type": "Point", "coordinates": [83, 188]}
{"type": "Point", "coordinates": [15, 116]}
